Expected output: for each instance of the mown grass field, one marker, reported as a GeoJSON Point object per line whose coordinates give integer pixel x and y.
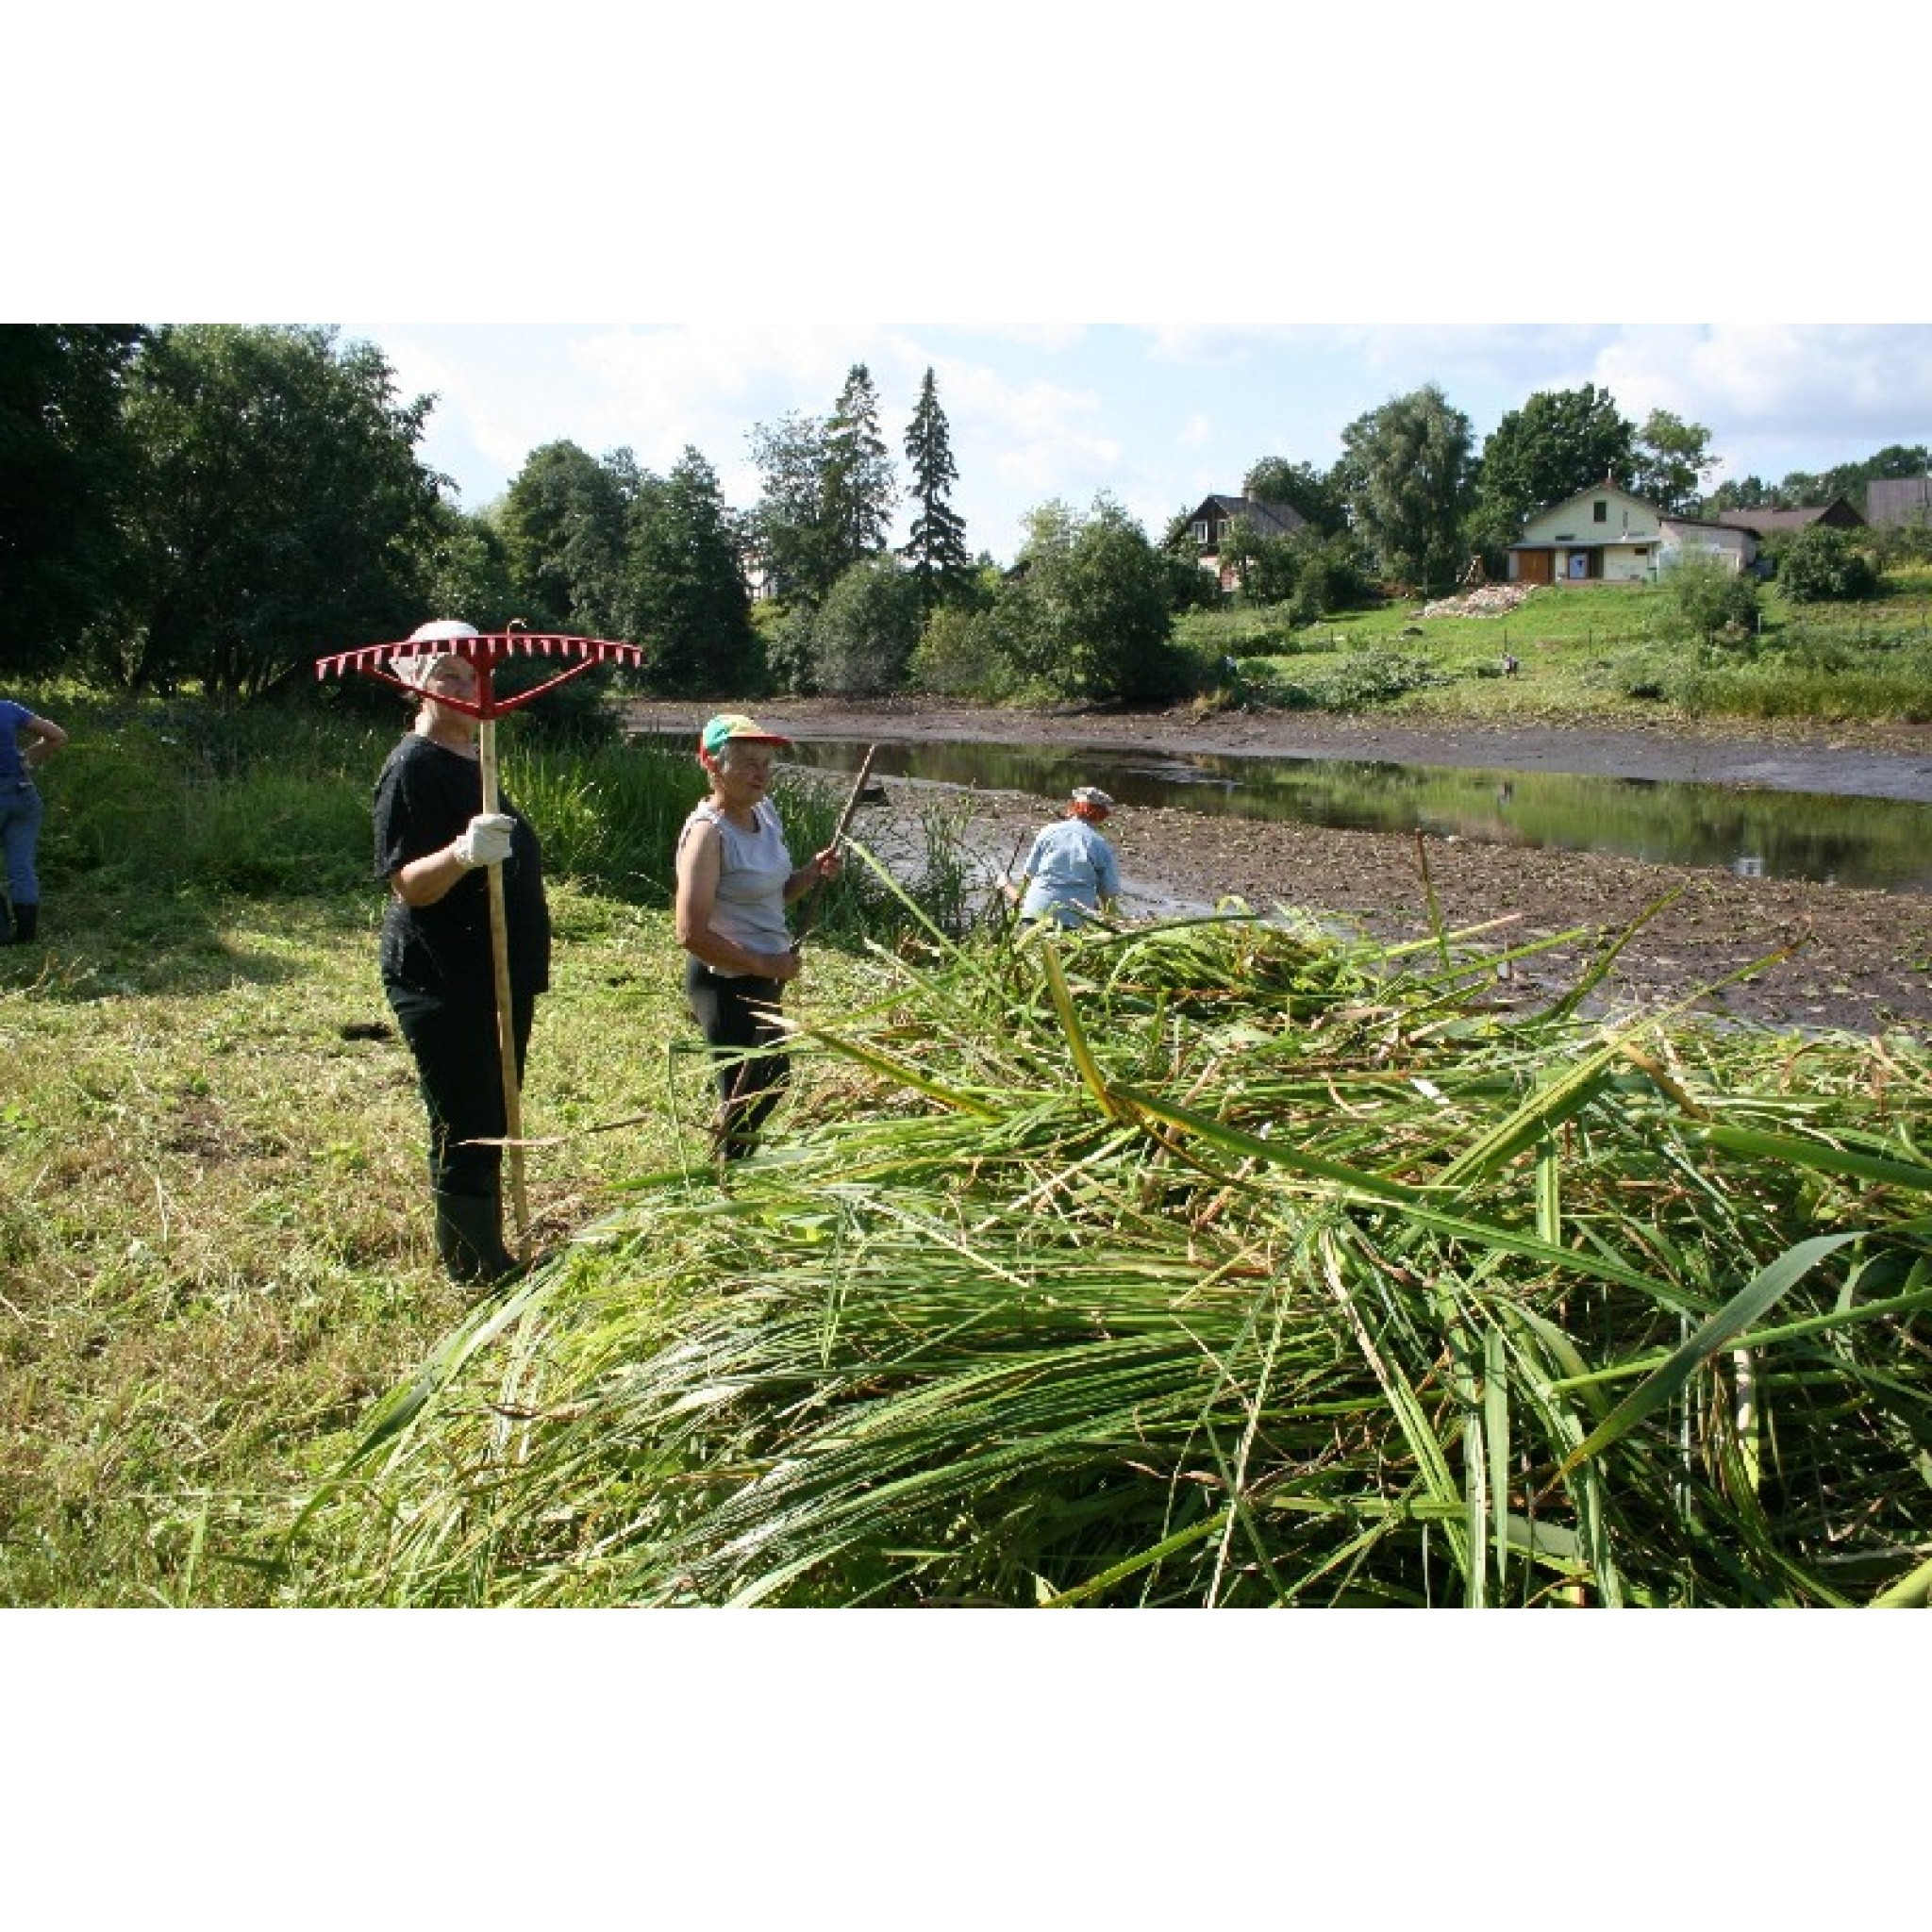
{"type": "Point", "coordinates": [214, 1239]}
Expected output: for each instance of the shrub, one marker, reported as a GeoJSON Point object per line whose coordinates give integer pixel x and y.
{"type": "Point", "coordinates": [1823, 565]}
{"type": "Point", "coordinates": [865, 632]}
{"type": "Point", "coordinates": [1705, 597]}
{"type": "Point", "coordinates": [956, 655]}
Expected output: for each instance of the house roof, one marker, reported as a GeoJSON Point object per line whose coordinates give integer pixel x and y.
{"type": "Point", "coordinates": [1763, 522]}
{"type": "Point", "coordinates": [1701, 523]}
{"type": "Point", "coordinates": [1269, 519]}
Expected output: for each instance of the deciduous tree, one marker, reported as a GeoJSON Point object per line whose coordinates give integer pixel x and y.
{"type": "Point", "coordinates": [280, 507]}
{"type": "Point", "coordinates": [864, 632]}
{"type": "Point", "coordinates": [1673, 459]}
{"type": "Point", "coordinates": [794, 543]}
{"type": "Point", "coordinates": [1561, 442]}
{"type": "Point", "coordinates": [1310, 491]}
{"type": "Point", "coordinates": [63, 468]}
{"type": "Point", "coordinates": [1090, 616]}
{"type": "Point", "coordinates": [1821, 565]}
{"type": "Point", "coordinates": [565, 524]}
{"type": "Point", "coordinates": [1404, 474]}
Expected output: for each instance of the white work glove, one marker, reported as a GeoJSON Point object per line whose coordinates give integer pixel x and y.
{"type": "Point", "coordinates": [485, 841]}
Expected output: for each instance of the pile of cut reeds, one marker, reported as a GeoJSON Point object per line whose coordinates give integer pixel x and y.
{"type": "Point", "coordinates": [1217, 1262]}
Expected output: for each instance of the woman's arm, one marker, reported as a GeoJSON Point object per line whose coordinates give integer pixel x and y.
{"type": "Point", "coordinates": [435, 876]}
{"type": "Point", "coordinates": [485, 841]}
{"type": "Point", "coordinates": [828, 864]}
{"type": "Point", "coordinates": [48, 739]}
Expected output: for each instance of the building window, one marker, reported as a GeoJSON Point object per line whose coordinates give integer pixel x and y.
{"type": "Point", "coordinates": [1600, 511]}
{"type": "Point", "coordinates": [1201, 532]}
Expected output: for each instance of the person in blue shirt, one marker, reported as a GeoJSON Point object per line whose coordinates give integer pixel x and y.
{"type": "Point", "coordinates": [1070, 875]}
{"type": "Point", "coordinates": [26, 740]}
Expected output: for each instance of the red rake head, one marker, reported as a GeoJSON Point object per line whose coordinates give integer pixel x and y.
{"type": "Point", "coordinates": [484, 650]}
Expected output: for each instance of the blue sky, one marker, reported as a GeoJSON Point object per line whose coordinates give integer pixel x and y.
{"type": "Point", "coordinates": [1156, 415]}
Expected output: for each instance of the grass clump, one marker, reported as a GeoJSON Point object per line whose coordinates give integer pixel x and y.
{"type": "Point", "coordinates": [1218, 1263]}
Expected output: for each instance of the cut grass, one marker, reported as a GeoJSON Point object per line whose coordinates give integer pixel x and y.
{"type": "Point", "coordinates": [214, 1237]}
{"type": "Point", "coordinates": [1210, 1264]}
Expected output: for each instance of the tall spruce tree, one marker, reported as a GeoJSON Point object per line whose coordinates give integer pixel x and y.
{"type": "Point", "coordinates": [937, 550]}
{"type": "Point", "coordinates": [859, 488]}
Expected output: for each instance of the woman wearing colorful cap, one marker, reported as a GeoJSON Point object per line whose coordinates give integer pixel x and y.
{"type": "Point", "coordinates": [735, 878]}
{"type": "Point", "coordinates": [433, 843]}
{"type": "Point", "coordinates": [1070, 874]}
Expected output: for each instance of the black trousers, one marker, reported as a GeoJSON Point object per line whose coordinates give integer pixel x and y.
{"type": "Point", "coordinates": [460, 1069]}
{"type": "Point", "coordinates": [735, 1016]}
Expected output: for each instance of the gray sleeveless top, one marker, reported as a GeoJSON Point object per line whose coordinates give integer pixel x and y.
{"type": "Point", "coordinates": [752, 871]}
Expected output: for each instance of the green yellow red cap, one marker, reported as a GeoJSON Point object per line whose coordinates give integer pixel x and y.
{"type": "Point", "coordinates": [730, 728]}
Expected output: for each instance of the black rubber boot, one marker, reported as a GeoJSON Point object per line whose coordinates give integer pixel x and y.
{"type": "Point", "coordinates": [27, 922]}
{"type": "Point", "coordinates": [5, 924]}
{"type": "Point", "coordinates": [469, 1238]}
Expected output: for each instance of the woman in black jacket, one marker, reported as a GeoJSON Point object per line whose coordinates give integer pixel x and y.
{"type": "Point", "coordinates": [433, 843]}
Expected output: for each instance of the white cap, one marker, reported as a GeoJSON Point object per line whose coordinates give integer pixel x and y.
{"type": "Point", "coordinates": [416, 671]}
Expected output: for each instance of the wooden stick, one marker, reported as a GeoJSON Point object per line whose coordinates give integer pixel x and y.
{"type": "Point", "coordinates": [838, 831]}
{"type": "Point", "coordinates": [853, 797]}
{"type": "Point", "coordinates": [506, 1023]}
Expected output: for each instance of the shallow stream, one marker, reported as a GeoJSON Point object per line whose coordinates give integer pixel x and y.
{"type": "Point", "coordinates": [1881, 843]}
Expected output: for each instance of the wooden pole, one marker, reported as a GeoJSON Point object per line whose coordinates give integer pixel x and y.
{"type": "Point", "coordinates": [499, 952]}
{"type": "Point", "coordinates": [810, 910]}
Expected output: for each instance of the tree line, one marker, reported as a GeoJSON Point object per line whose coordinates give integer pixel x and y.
{"type": "Point", "coordinates": [210, 507]}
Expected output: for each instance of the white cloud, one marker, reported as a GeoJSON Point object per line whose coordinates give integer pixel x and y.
{"type": "Point", "coordinates": [1780, 397]}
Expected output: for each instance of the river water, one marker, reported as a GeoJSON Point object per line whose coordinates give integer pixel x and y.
{"type": "Point", "coordinates": [1882, 844]}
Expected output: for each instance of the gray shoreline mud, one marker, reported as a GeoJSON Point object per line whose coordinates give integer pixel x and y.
{"type": "Point", "coordinates": [1833, 956]}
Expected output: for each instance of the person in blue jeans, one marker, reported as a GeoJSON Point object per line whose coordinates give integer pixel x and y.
{"type": "Point", "coordinates": [1070, 875]}
{"type": "Point", "coordinates": [25, 742]}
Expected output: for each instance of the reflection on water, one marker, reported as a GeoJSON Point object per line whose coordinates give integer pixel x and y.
{"type": "Point", "coordinates": [1876, 842]}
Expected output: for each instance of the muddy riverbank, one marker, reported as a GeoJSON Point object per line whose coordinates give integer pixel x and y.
{"type": "Point", "coordinates": [1857, 959]}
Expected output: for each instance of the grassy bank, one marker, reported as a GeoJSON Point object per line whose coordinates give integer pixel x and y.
{"type": "Point", "coordinates": [214, 1238]}
{"type": "Point", "coordinates": [1600, 654]}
